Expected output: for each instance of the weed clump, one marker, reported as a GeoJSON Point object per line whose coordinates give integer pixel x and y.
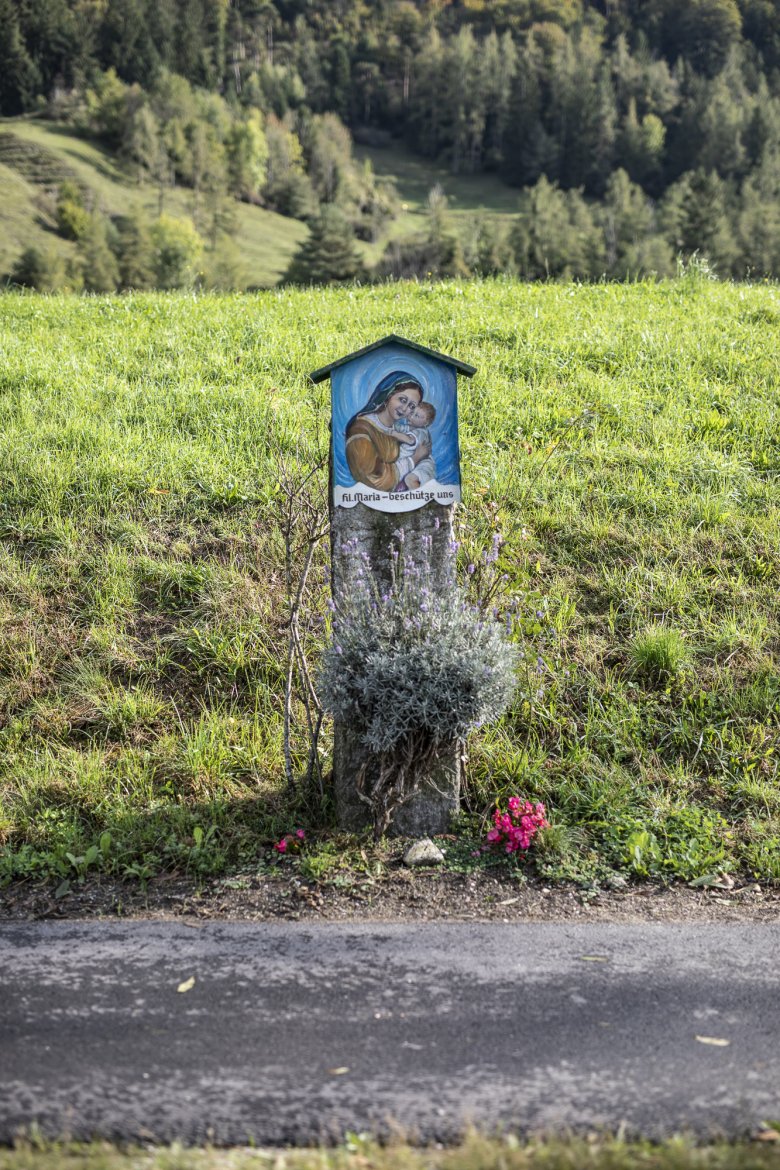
{"type": "Point", "coordinates": [659, 654]}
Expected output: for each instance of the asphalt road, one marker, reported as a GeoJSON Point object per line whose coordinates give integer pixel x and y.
{"type": "Point", "coordinates": [296, 1033]}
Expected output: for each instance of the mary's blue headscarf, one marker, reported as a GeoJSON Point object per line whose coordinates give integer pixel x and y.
{"type": "Point", "coordinates": [382, 391]}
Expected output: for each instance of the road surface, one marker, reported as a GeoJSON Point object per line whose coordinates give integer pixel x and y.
{"type": "Point", "coordinates": [295, 1033]}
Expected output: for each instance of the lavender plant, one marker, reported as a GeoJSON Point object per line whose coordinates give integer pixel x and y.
{"type": "Point", "coordinates": [412, 669]}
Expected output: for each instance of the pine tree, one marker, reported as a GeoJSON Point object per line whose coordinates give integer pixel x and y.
{"type": "Point", "coordinates": [641, 145]}
{"type": "Point", "coordinates": [556, 236]}
{"type": "Point", "coordinates": [529, 151]}
{"type": "Point", "coordinates": [634, 248]}
{"type": "Point", "coordinates": [328, 256]}
{"type": "Point", "coordinates": [44, 271]}
{"type": "Point", "coordinates": [20, 80]}
{"type": "Point", "coordinates": [488, 251]}
{"type": "Point", "coordinates": [698, 218]}
{"type": "Point", "coordinates": [134, 252]}
{"type": "Point", "coordinates": [445, 248]}
{"type": "Point", "coordinates": [101, 271]}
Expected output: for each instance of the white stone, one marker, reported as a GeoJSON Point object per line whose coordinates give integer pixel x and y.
{"type": "Point", "coordinates": [423, 852]}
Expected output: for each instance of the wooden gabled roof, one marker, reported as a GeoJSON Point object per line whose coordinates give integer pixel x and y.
{"type": "Point", "coordinates": [461, 367]}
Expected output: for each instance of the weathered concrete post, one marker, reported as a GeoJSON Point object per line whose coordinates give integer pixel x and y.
{"type": "Point", "coordinates": [395, 481]}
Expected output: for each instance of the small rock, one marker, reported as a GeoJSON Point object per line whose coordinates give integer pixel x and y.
{"type": "Point", "coordinates": [423, 852]}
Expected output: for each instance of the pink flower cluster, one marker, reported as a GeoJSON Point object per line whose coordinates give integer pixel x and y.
{"type": "Point", "coordinates": [517, 828]}
{"type": "Point", "coordinates": [291, 842]}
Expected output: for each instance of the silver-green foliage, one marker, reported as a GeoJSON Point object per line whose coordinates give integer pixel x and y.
{"type": "Point", "coordinates": [414, 661]}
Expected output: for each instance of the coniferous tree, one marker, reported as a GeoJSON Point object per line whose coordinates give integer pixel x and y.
{"type": "Point", "coordinates": [100, 268]}
{"type": "Point", "coordinates": [39, 269]}
{"type": "Point", "coordinates": [555, 235]}
{"type": "Point", "coordinates": [634, 246]}
{"type": "Point", "coordinates": [640, 146]}
{"type": "Point", "coordinates": [127, 43]}
{"type": "Point", "coordinates": [48, 29]}
{"type": "Point", "coordinates": [426, 106]}
{"type": "Point", "coordinates": [20, 79]}
{"type": "Point", "coordinates": [446, 251]}
{"type": "Point", "coordinates": [134, 252]}
{"type": "Point", "coordinates": [698, 219]}
{"type": "Point", "coordinates": [702, 31]}
{"type": "Point", "coordinates": [329, 255]}
{"type": "Point", "coordinates": [488, 251]}
{"type": "Point", "coordinates": [529, 150]}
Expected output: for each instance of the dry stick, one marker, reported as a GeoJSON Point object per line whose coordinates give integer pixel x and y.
{"type": "Point", "coordinates": [288, 769]}
{"type": "Point", "coordinates": [295, 650]}
{"type": "Point", "coordinates": [296, 506]}
{"type": "Point", "coordinates": [310, 700]}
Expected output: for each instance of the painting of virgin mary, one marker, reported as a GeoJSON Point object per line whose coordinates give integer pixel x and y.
{"type": "Point", "coordinates": [379, 452]}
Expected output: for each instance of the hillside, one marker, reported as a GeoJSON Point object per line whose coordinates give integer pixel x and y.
{"type": "Point", "coordinates": [622, 438]}
{"type": "Point", "coordinates": [634, 133]}
{"type": "Point", "coordinates": [36, 156]}
{"type": "Point", "coordinates": [471, 199]}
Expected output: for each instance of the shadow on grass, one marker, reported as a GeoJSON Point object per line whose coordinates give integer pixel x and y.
{"type": "Point", "coordinates": [201, 839]}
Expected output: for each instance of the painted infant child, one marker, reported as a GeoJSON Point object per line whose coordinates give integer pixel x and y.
{"type": "Point", "coordinates": [418, 422]}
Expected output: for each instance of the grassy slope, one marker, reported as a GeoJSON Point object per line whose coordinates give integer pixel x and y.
{"type": "Point", "coordinates": [26, 219]}
{"type": "Point", "coordinates": [266, 240]}
{"type": "Point", "coordinates": [140, 564]}
{"type": "Point", "coordinates": [469, 197]}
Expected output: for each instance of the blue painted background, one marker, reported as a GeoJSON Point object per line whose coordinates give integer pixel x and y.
{"type": "Point", "coordinates": [352, 386]}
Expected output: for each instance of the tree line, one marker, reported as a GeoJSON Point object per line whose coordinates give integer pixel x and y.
{"type": "Point", "coordinates": [672, 108]}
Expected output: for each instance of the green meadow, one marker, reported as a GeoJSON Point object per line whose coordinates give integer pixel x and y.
{"type": "Point", "coordinates": [623, 438]}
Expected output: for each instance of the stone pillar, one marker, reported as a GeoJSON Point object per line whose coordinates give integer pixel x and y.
{"type": "Point", "coordinates": [431, 808]}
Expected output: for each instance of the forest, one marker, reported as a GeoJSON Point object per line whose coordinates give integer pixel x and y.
{"type": "Point", "coordinates": [637, 132]}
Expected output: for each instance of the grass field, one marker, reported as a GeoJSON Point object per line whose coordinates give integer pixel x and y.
{"type": "Point", "coordinates": [142, 567]}
{"type": "Point", "coordinates": [27, 212]}
{"type": "Point", "coordinates": [360, 1153]}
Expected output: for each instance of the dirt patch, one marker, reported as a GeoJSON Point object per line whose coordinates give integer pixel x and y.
{"type": "Point", "coordinates": [401, 896]}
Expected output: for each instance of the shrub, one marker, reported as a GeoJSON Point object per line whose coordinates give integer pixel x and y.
{"type": "Point", "coordinates": [177, 252]}
{"type": "Point", "coordinates": [44, 271]}
{"type": "Point", "coordinates": [73, 219]}
{"type": "Point", "coordinates": [412, 670]}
